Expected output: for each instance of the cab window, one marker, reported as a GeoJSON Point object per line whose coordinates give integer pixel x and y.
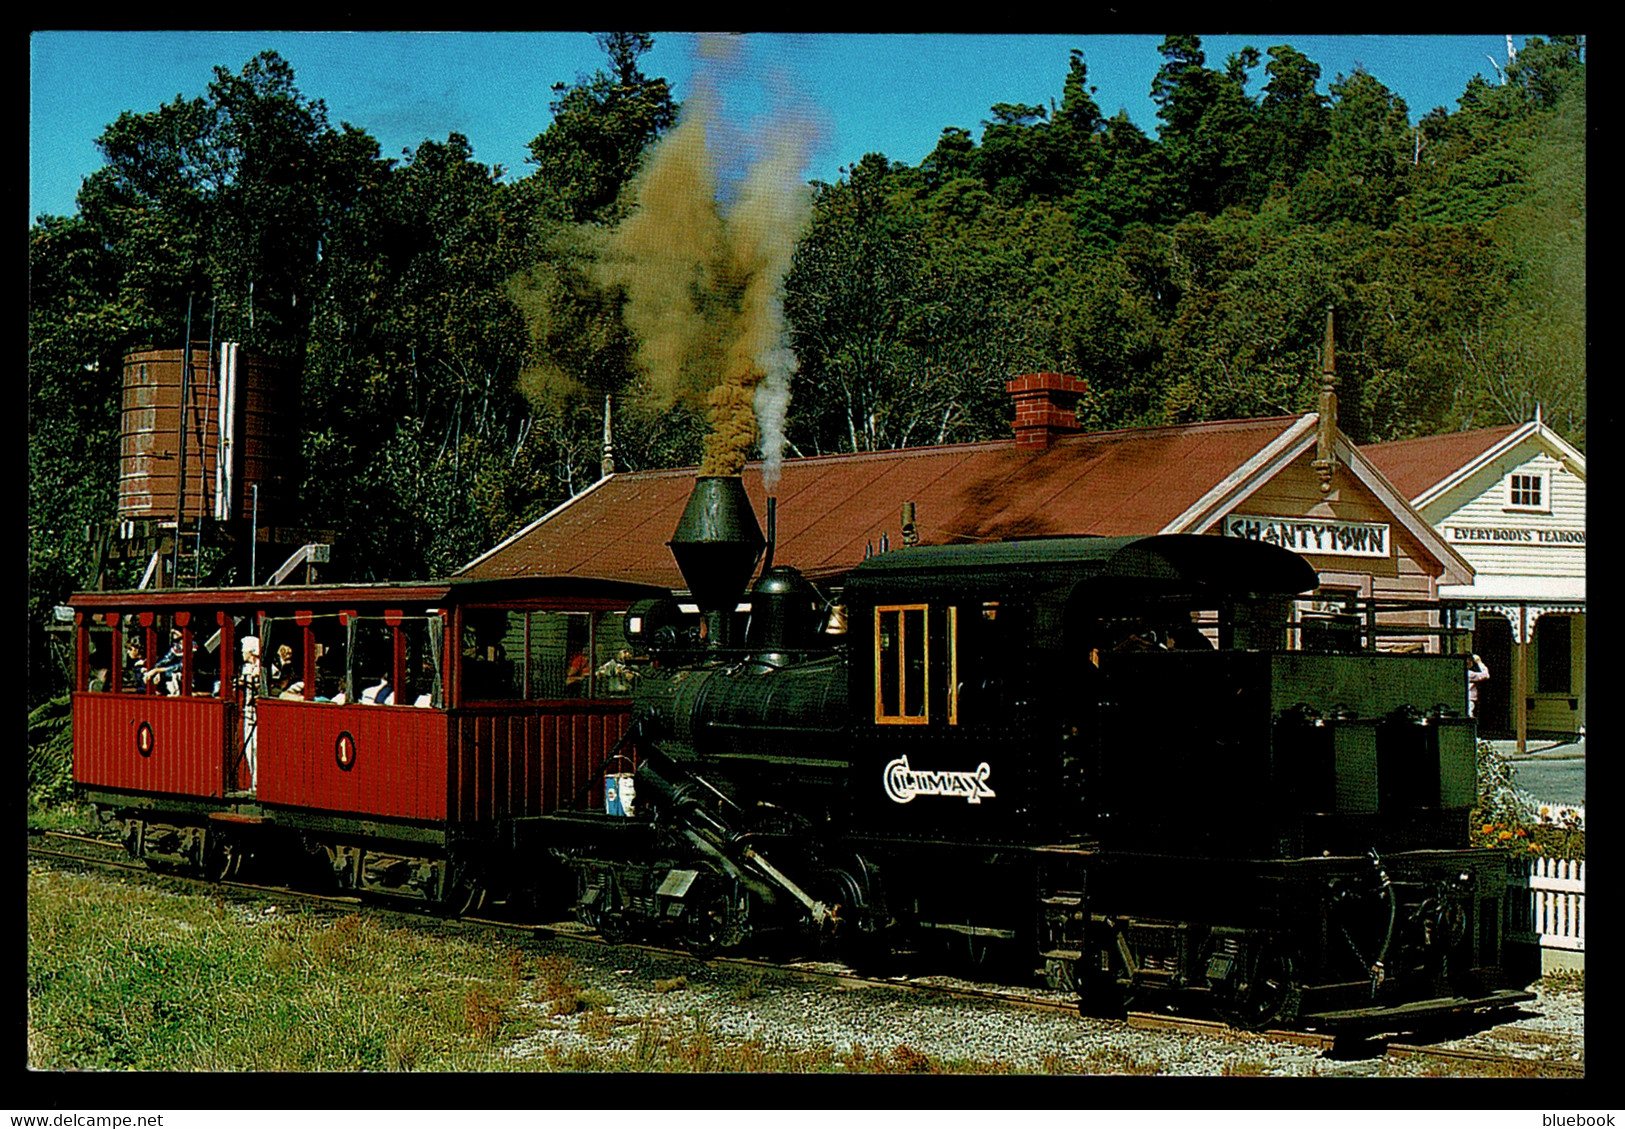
{"type": "Point", "coordinates": [902, 657]}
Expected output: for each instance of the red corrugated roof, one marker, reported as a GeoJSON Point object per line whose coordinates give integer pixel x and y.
{"type": "Point", "coordinates": [832, 508]}
{"type": "Point", "coordinates": [1415, 465]}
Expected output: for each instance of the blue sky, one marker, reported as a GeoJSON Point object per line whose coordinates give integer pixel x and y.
{"type": "Point", "coordinates": [892, 94]}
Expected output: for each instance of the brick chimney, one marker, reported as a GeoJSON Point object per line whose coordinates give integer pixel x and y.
{"type": "Point", "coordinates": [1046, 407]}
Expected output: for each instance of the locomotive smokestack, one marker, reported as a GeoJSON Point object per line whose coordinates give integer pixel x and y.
{"type": "Point", "coordinates": [716, 544]}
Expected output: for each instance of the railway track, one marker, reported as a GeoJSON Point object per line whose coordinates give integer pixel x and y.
{"type": "Point", "coordinates": [108, 855]}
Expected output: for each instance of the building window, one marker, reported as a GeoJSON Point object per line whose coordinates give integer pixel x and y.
{"type": "Point", "coordinates": [1527, 491]}
{"type": "Point", "coordinates": [1553, 657]}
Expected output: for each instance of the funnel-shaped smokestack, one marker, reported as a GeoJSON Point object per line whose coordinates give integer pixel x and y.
{"type": "Point", "coordinates": [717, 543]}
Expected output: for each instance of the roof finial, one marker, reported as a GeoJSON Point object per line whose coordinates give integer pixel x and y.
{"type": "Point", "coordinates": [1326, 445]}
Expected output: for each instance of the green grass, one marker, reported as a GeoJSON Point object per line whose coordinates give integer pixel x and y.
{"type": "Point", "coordinates": [126, 977]}
{"type": "Point", "coordinates": [123, 975]}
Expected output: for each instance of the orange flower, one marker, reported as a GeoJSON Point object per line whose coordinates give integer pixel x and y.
{"type": "Point", "coordinates": [1504, 835]}
{"type": "Point", "coordinates": [1535, 847]}
{"type": "Point", "coordinates": [1522, 834]}
{"type": "Point", "coordinates": [1486, 829]}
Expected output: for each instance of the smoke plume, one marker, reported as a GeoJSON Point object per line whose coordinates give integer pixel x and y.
{"type": "Point", "coordinates": [702, 264]}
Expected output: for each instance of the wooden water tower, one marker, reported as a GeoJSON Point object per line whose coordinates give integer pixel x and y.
{"type": "Point", "coordinates": [208, 457]}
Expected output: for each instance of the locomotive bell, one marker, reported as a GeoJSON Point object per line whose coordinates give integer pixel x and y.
{"type": "Point", "coordinates": [717, 544]}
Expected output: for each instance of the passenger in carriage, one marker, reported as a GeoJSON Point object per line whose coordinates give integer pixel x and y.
{"type": "Point", "coordinates": [382, 694]}
{"type": "Point", "coordinates": [425, 699]}
{"type": "Point", "coordinates": [618, 673]}
{"type": "Point", "coordinates": [166, 672]}
{"type": "Point", "coordinates": [1187, 636]}
{"type": "Point", "coordinates": [576, 674]}
{"type": "Point", "coordinates": [249, 679]}
{"type": "Point", "coordinates": [282, 667]}
{"type": "Point", "coordinates": [135, 667]}
{"type": "Point", "coordinates": [330, 683]}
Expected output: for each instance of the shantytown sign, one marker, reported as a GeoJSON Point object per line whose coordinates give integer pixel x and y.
{"type": "Point", "coordinates": [1312, 535]}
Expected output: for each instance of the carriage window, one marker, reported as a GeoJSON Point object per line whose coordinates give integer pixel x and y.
{"type": "Point", "coordinates": [613, 670]}
{"type": "Point", "coordinates": [560, 655]}
{"type": "Point", "coordinates": [372, 661]}
{"type": "Point", "coordinates": [902, 652]}
{"type": "Point", "coordinates": [332, 643]}
{"type": "Point", "coordinates": [99, 641]}
{"type": "Point", "coordinates": [541, 655]}
{"type": "Point", "coordinates": [423, 676]}
{"type": "Point", "coordinates": [493, 654]}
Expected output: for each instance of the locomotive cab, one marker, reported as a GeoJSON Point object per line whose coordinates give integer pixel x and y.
{"type": "Point", "coordinates": [989, 670]}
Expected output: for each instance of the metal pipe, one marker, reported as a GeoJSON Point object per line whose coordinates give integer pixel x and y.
{"type": "Point", "coordinates": [772, 532]}
{"type": "Point", "coordinates": [180, 430]}
{"type": "Point", "coordinates": [202, 463]}
{"type": "Point", "coordinates": [254, 539]}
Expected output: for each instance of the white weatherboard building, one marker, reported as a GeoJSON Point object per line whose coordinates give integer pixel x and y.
{"type": "Point", "coordinates": [1512, 501]}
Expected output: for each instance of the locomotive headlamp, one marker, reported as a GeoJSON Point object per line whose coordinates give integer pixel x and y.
{"type": "Point", "coordinates": [837, 620]}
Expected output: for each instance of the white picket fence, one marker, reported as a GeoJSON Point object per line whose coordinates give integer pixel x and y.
{"type": "Point", "coordinates": [1546, 901]}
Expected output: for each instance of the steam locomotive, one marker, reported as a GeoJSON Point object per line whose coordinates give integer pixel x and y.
{"type": "Point", "coordinates": [1098, 757]}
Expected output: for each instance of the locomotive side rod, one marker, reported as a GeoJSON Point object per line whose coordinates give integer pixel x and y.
{"type": "Point", "coordinates": [712, 835]}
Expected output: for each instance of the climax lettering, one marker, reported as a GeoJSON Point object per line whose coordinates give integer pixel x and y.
{"type": "Point", "coordinates": [904, 783]}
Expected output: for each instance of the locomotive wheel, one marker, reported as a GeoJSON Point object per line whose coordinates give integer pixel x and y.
{"type": "Point", "coordinates": [1061, 975]}
{"type": "Point", "coordinates": [466, 897]}
{"type": "Point", "coordinates": [464, 890]}
{"type": "Point", "coordinates": [612, 926]}
{"type": "Point", "coordinates": [705, 926]}
{"type": "Point", "coordinates": [1270, 994]}
{"type": "Point", "coordinates": [970, 949]}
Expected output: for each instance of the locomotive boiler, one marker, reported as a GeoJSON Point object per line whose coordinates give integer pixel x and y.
{"type": "Point", "coordinates": [1100, 757]}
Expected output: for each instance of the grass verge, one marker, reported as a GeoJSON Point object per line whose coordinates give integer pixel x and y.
{"type": "Point", "coordinates": [127, 977]}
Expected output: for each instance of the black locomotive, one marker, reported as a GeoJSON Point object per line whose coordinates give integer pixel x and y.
{"type": "Point", "coordinates": [1100, 756]}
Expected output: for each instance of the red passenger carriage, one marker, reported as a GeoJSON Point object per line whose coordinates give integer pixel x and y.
{"type": "Point", "coordinates": [394, 731]}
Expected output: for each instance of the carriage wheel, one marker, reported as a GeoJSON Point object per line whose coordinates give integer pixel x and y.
{"type": "Point", "coordinates": [226, 860]}
{"type": "Point", "coordinates": [1269, 993]}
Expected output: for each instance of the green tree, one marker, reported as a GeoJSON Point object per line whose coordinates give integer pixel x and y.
{"type": "Point", "coordinates": [1363, 175]}
{"type": "Point", "coordinates": [1207, 133]}
{"type": "Point", "coordinates": [1293, 118]}
{"type": "Point", "coordinates": [75, 327]}
{"type": "Point", "coordinates": [600, 129]}
{"type": "Point", "coordinates": [418, 447]}
{"type": "Point", "coordinates": [1121, 183]}
{"type": "Point", "coordinates": [846, 297]}
{"type": "Point", "coordinates": [266, 232]}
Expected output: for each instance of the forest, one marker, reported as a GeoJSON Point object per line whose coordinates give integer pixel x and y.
{"type": "Point", "coordinates": [457, 330]}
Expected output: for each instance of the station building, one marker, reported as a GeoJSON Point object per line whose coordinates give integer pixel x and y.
{"type": "Point", "coordinates": [1293, 480]}
{"type": "Point", "coordinates": [1512, 501]}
